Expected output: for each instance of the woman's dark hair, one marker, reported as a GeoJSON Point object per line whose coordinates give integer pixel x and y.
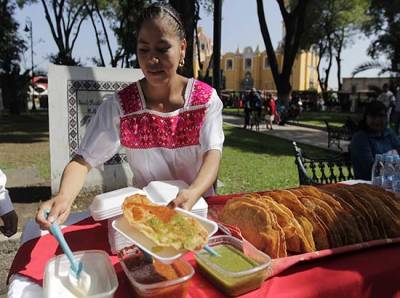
{"type": "Point", "coordinates": [374, 108]}
{"type": "Point", "coordinates": [163, 11]}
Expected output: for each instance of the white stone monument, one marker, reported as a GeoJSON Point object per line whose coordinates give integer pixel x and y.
{"type": "Point", "coordinates": [74, 96]}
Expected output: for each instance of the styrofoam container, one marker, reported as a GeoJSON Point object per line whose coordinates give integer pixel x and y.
{"type": "Point", "coordinates": [116, 240]}
{"type": "Point", "coordinates": [109, 204]}
{"type": "Point", "coordinates": [96, 263]}
{"type": "Point", "coordinates": [162, 192]}
{"type": "Point", "coordinates": [163, 254]}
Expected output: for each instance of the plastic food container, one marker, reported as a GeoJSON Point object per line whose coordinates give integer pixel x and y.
{"type": "Point", "coordinates": [151, 278]}
{"type": "Point", "coordinates": [240, 268]}
{"type": "Point", "coordinates": [108, 204]}
{"type": "Point", "coordinates": [96, 263]}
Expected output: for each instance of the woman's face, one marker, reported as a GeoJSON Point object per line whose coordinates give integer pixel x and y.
{"type": "Point", "coordinates": [159, 50]}
{"type": "Point", "coordinates": [377, 123]}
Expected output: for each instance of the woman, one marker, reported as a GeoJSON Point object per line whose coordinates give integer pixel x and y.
{"type": "Point", "coordinates": [170, 126]}
{"type": "Point", "coordinates": [372, 138]}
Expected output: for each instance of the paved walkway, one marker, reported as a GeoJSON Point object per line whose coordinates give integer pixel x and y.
{"type": "Point", "coordinates": [302, 135]}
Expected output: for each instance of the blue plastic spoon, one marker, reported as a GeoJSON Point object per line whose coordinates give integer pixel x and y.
{"type": "Point", "coordinates": [78, 278]}
{"type": "Point", "coordinates": [211, 251]}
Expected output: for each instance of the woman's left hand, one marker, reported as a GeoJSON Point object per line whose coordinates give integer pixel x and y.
{"type": "Point", "coordinates": [185, 200]}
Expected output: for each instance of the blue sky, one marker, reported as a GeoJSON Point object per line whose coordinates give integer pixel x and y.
{"type": "Point", "coordinates": [240, 28]}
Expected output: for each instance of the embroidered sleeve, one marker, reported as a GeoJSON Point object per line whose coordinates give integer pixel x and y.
{"type": "Point", "coordinates": [101, 140]}
{"type": "Point", "coordinates": [212, 134]}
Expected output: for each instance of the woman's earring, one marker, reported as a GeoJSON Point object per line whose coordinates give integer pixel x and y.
{"type": "Point", "coordinates": [182, 62]}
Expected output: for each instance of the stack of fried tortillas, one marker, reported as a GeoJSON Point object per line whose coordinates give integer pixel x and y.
{"type": "Point", "coordinates": [165, 226]}
{"type": "Point", "coordinates": [308, 218]}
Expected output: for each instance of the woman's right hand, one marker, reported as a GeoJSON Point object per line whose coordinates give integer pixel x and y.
{"type": "Point", "coordinates": [59, 207]}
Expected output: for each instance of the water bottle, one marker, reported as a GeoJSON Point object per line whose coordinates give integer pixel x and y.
{"type": "Point", "coordinates": [388, 172]}
{"type": "Point", "coordinates": [396, 176]}
{"type": "Point", "coordinates": [377, 170]}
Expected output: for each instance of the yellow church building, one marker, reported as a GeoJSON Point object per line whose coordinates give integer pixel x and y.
{"type": "Point", "coordinates": [249, 68]}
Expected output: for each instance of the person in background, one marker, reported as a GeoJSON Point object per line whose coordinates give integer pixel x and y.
{"type": "Point", "coordinates": [247, 109]}
{"type": "Point", "coordinates": [257, 102]}
{"type": "Point", "coordinates": [170, 126]}
{"type": "Point", "coordinates": [270, 111]}
{"type": "Point", "coordinates": [7, 212]}
{"type": "Point", "coordinates": [388, 99]}
{"type": "Point", "coordinates": [373, 137]}
{"type": "Point", "coordinates": [396, 114]}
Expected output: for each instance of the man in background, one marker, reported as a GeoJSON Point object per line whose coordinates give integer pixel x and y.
{"type": "Point", "coordinates": [388, 99]}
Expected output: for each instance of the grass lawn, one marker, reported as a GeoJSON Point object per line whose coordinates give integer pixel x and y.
{"type": "Point", "coordinates": [251, 161]}
{"type": "Point", "coordinates": [334, 118]}
{"type": "Point", "coordinates": [24, 142]}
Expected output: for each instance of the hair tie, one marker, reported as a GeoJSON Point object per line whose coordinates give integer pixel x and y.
{"type": "Point", "coordinates": [173, 16]}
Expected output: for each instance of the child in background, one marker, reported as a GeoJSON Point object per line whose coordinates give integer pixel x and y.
{"type": "Point", "coordinates": [7, 212]}
{"type": "Point", "coordinates": [170, 126]}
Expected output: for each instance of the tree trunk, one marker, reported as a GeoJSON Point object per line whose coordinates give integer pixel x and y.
{"type": "Point", "coordinates": [328, 69]}
{"type": "Point", "coordinates": [294, 24]}
{"type": "Point", "coordinates": [187, 10]}
{"type": "Point", "coordinates": [284, 90]}
{"type": "Point", "coordinates": [321, 50]}
{"type": "Point", "coordinates": [97, 34]}
{"type": "Point", "coordinates": [339, 71]}
{"type": "Point", "coordinates": [340, 41]}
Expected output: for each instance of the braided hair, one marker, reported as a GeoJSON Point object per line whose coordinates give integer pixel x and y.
{"type": "Point", "coordinates": [166, 12]}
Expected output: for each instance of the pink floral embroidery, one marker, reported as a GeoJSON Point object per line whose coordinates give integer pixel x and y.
{"type": "Point", "coordinates": [201, 93]}
{"type": "Point", "coordinates": [148, 130]}
{"type": "Point", "coordinates": [130, 99]}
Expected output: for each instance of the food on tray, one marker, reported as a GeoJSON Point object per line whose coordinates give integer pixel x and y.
{"type": "Point", "coordinates": [165, 226]}
{"type": "Point", "coordinates": [311, 218]}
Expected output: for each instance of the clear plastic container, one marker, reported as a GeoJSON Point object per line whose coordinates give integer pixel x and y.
{"type": "Point", "coordinates": [240, 268]}
{"type": "Point", "coordinates": [96, 263]}
{"type": "Point", "coordinates": [151, 278]}
{"type": "Point", "coordinates": [109, 204]}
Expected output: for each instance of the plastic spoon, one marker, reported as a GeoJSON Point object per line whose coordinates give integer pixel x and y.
{"type": "Point", "coordinates": [211, 251]}
{"type": "Point", "coordinates": [78, 278]}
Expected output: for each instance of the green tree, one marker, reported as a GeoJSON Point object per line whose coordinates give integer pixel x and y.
{"type": "Point", "coordinates": [384, 28]}
{"type": "Point", "coordinates": [12, 83]}
{"type": "Point", "coordinates": [293, 15]}
{"type": "Point", "coordinates": [65, 18]}
{"type": "Point", "coordinates": [331, 26]}
{"type": "Point", "coordinates": [122, 16]}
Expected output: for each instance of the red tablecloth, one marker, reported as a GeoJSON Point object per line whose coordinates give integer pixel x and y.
{"type": "Point", "coordinates": [372, 272]}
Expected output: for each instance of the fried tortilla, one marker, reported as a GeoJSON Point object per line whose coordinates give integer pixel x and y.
{"type": "Point", "coordinates": [291, 201]}
{"type": "Point", "coordinates": [256, 225]}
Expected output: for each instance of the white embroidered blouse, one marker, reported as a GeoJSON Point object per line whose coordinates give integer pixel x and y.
{"type": "Point", "coordinates": [159, 146]}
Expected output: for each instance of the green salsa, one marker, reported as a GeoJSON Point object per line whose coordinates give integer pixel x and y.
{"type": "Point", "coordinates": [224, 270]}
{"type": "Point", "coordinates": [230, 259]}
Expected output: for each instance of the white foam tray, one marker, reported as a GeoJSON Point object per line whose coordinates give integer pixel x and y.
{"type": "Point", "coordinates": [165, 254]}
